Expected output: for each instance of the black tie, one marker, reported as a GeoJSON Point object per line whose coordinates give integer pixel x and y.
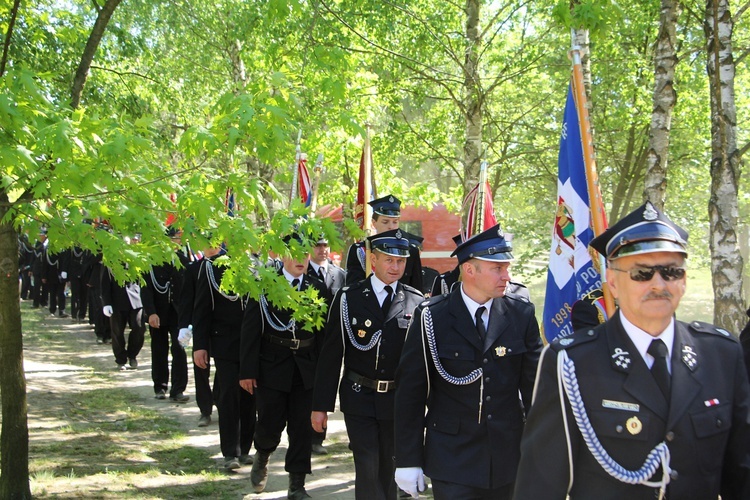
{"type": "Point", "coordinates": [295, 283]}
{"type": "Point", "coordinates": [387, 302]}
{"type": "Point", "coordinates": [658, 349]}
{"type": "Point", "coordinates": [480, 322]}
{"type": "Point", "coordinates": [321, 274]}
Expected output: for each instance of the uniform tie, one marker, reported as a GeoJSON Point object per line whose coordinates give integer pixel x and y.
{"type": "Point", "coordinates": [387, 301]}
{"type": "Point", "coordinates": [480, 322]}
{"type": "Point", "coordinates": [658, 349]}
{"type": "Point", "coordinates": [295, 283]}
{"type": "Point", "coordinates": [321, 274]}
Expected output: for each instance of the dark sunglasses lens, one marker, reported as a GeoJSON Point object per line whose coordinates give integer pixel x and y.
{"type": "Point", "coordinates": [642, 273]}
{"type": "Point", "coordinates": [672, 273]}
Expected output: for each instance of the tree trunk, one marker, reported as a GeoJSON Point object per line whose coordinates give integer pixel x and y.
{"type": "Point", "coordinates": [14, 438]}
{"type": "Point", "coordinates": [473, 102]}
{"type": "Point", "coordinates": [726, 259]}
{"type": "Point", "coordinates": [665, 97]}
{"type": "Point", "coordinates": [105, 13]}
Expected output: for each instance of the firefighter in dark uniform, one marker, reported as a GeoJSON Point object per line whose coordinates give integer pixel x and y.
{"type": "Point", "coordinates": [217, 319]}
{"type": "Point", "coordinates": [653, 407]}
{"type": "Point", "coordinates": [55, 276]}
{"type": "Point", "coordinates": [277, 364]}
{"type": "Point", "coordinates": [39, 290]}
{"type": "Point", "coordinates": [366, 330]}
{"type": "Point", "coordinates": [160, 297]}
{"type": "Point", "coordinates": [334, 278]}
{"type": "Point", "coordinates": [470, 358]}
{"type": "Point", "coordinates": [386, 215]}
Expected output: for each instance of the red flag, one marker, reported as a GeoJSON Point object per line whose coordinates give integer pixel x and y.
{"type": "Point", "coordinates": [305, 186]}
{"type": "Point", "coordinates": [479, 213]}
{"type": "Point", "coordinates": [365, 188]}
{"type": "Point", "coordinates": [359, 208]}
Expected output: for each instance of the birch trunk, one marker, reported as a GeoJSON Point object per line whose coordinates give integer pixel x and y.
{"type": "Point", "coordinates": [726, 260]}
{"type": "Point", "coordinates": [665, 97]}
{"type": "Point", "coordinates": [472, 97]}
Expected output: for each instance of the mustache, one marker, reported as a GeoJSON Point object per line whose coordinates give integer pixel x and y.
{"type": "Point", "coordinates": [658, 295]}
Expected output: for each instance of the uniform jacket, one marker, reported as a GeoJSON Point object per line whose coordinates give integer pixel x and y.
{"type": "Point", "coordinates": [705, 425]}
{"type": "Point", "coordinates": [271, 364]}
{"type": "Point", "coordinates": [161, 298]}
{"type": "Point", "coordinates": [55, 263]}
{"type": "Point", "coordinates": [365, 318]}
{"type": "Point", "coordinates": [217, 316]}
{"type": "Point", "coordinates": [466, 443]}
{"type": "Point", "coordinates": [335, 279]}
{"type": "Point", "coordinates": [114, 294]}
{"type": "Point", "coordinates": [355, 266]}
{"type": "Point", "coordinates": [186, 299]}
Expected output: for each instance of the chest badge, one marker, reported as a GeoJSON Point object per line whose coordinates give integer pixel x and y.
{"type": "Point", "coordinates": [689, 357]}
{"type": "Point", "coordinates": [634, 426]}
{"type": "Point", "coordinates": [501, 351]}
{"type": "Point", "coordinates": [368, 322]}
{"type": "Point", "coordinates": [361, 333]}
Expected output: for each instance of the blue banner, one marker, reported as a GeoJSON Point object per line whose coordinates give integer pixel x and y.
{"type": "Point", "coordinates": [572, 273]}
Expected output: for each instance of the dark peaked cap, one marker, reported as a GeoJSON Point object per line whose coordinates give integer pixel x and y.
{"type": "Point", "coordinates": [388, 206]}
{"type": "Point", "coordinates": [487, 245]}
{"type": "Point", "coordinates": [644, 230]}
{"type": "Point", "coordinates": [394, 242]}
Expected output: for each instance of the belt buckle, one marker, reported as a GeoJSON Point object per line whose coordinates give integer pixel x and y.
{"type": "Point", "coordinates": [382, 386]}
{"type": "Point", "coordinates": [295, 344]}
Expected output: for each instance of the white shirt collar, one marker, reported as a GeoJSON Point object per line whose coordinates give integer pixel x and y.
{"type": "Point", "coordinates": [473, 305]}
{"type": "Point", "coordinates": [290, 278]}
{"type": "Point", "coordinates": [316, 266]}
{"type": "Point", "coordinates": [379, 287]}
{"type": "Point", "coordinates": [642, 340]}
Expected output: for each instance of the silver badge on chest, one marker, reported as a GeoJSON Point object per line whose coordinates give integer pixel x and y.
{"type": "Point", "coordinates": [689, 357]}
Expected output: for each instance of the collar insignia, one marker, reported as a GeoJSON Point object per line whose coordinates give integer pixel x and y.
{"type": "Point", "coordinates": [621, 358]}
{"type": "Point", "coordinates": [689, 357]}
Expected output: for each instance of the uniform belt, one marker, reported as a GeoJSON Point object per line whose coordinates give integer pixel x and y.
{"type": "Point", "coordinates": [292, 344]}
{"type": "Point", "coordinates": [378, 385]}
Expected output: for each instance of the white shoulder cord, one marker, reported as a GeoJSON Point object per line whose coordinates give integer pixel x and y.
{"type": "Point", "coordinates": [566, 377]}
{"type": "Point", "coordinates": [158, 287]}
{"type": "Point", "coordinates": [346, 324]}
{"type": "Point", "coordinates": [361, 255]}
{"type": "Point", "coordinates": [273, 320]}
{"type": "Point", "coordinates": [476, 374]}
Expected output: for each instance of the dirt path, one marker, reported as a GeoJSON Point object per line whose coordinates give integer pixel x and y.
{"type": "Point", "coordinates": [53, 374]}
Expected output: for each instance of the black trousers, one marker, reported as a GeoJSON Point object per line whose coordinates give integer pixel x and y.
{"type": "Point", "coordinates": [443, 490]}
{"type": "Point", "coordinates": [78, 298]}
{"type": "Point", "coordinates": [279, 409]}
{"type": "Point", "coordinates": [123, 350]}
{"type": "Point", "coordinates": [102, 325]}
{"type": "Point", "coordinates": [371, 442]}
{"type": "Point", "coordinates": [236, 409]}
{"type": "Point", "coordinates": [160, 350]}
{"type": "Point", "coordinates": [56, 296]}
{"type": "Point", "coordinates": [26, 290]}
{"type": "Point", "coordinates": [39, 291]}
{"type": "Point", "coordinates": [204, 395]}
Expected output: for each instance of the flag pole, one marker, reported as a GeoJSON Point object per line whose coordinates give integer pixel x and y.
{"type": "Point", "coordinates": [481, 192]}
{"type": "Point", "coordinates": [297, 156]}
{"type": "Point", "coordinates": [318, 169]}
{"type": "Point", "coordinates": [589, 160]}
{"type": "Point", "coordinates": [367, 220]}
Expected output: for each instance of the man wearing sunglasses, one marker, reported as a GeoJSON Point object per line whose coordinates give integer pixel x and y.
{"type": "Point", "coordinates": [642, 406]}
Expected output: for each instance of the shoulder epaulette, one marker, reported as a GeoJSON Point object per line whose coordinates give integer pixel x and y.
{"type": "Point", "coordinates": [515, 296]}
{"type": "Point", "coordinates": [408, 288]}
{"type": "Point", "coordinates": [434, 300]}
{"type": "Point", "coordinates": [579, 338]}
{"type": "Point", "coordinates": [701, 327]}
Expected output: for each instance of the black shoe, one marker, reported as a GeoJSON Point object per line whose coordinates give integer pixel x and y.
{"type": "Point", "coordinates": [161, 394]}
{"type": "Point", "coordinates": [204, 421]}
{"type": "Point", "coordinates": [122, 368]}
{"type": "Point", "coordinates": [133, 363]}
{"type": "Point", "coordinates": [63, 314]}
{"type": "Point", "coordinates": [246, 459]}
{"type": "Point", "coordinates": [297, 486]}
{"type": "Point", "coordinates": [319, 449]}
{"type": "Point", "coordinates": [179, 398]}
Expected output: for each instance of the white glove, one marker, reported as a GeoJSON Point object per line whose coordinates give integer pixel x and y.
{"type": "Point", "coordinates": [107, 310]}
{"type": "Point", "coordinates": [64, 275]}
{"type": "Point", "coordinates": [186, 334]}
{"type": "Point", "coordinates": [410, 479]}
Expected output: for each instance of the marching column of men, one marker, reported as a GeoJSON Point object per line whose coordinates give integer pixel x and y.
{"type": "Point", "coordinates": [456, 388]}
